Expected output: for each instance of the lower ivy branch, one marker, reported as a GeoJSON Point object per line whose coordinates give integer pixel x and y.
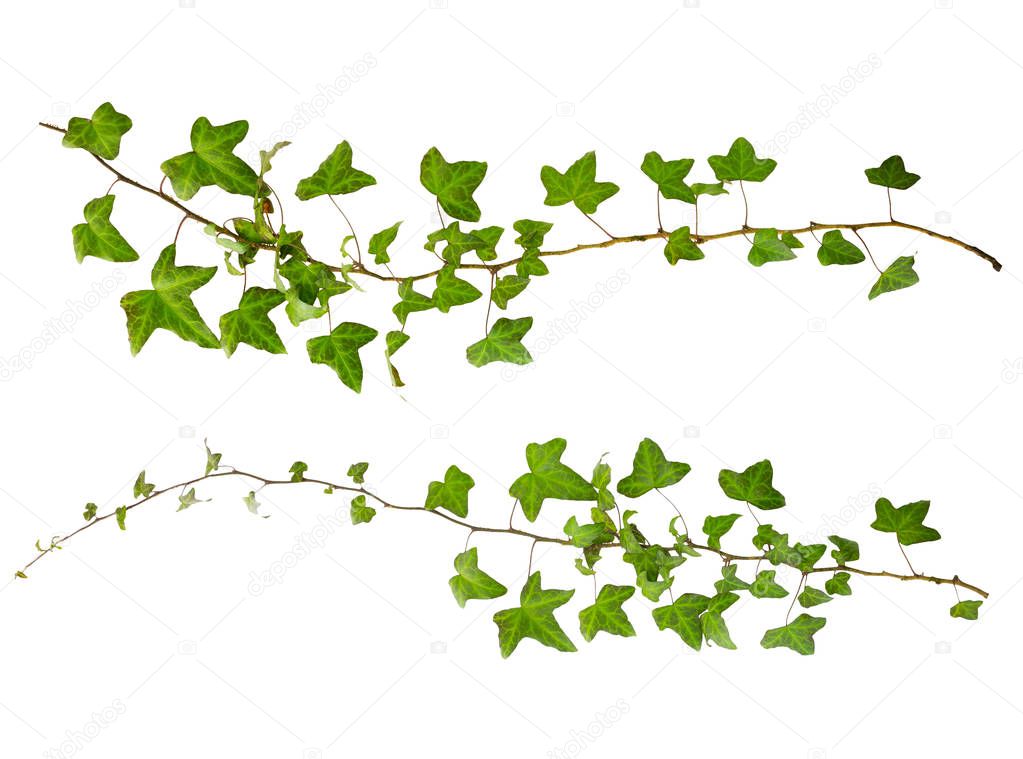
{"type": "Point", "coordinates": [306, 285]}
{"type": "Point", "coordinates": [695, 617]}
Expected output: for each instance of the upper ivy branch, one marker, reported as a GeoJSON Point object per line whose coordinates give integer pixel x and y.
{"type": "Point", "coordinates": [306, 285]}
{"type": "Point", "coordinates": [607, 528]}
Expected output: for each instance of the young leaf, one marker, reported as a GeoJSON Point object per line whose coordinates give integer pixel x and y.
{"type": "Point", "coordinates": [340, 351]}
{"type": "Point", "coordinates": [754, 486]}
{"type": "Point", "coordinates": [892, 173]}
{"type": "Point", "coordinates": [250, 323]}
{"type": "Point", "coordinates": [361, 513]}
{"type": "Point", "coordinates": [669, 176]}
{"type": "Point", "coordinates": [212, 459]}
{"type": "Point", "coordinates": [835, 249]}
{"type": "Point", "coordinates": [898, 276]}
{"type": "Point", "coordinates": [98, 237]}
{"type": "Point", "coordinates": [534, 618]}
{"type": "Point", "coordinates": [965, 609]}
{"type": "Point", "coordinates": [394, 341]}
{"type": "Point", "coordinates": [506, 288]}
{"type": "Point", "coordinates": [907, 522]}
{"type": "Point", "coordinates": [335, 176]}
{"type": "Point", "coordinates": [142, 488]}
{"type": "Point", "coordinates": [797, 634]}
{"type": "Point", "coordinates": [716, 527]}
{"type": "Point", "coordinates": [606, 614]}
{"type": "Point", "coordinates": [381, 241]}
{"type": "Point", "coordinates": [101, 135]}
{"type": "Point", "coordinates": [298, 470]}
{"type": "Point", "coordinates": [531, 265]}
{"type": "Point", "coordinates": [169, 304]}
{"type": "Point", "coordinates": [471, 582]}
{"type": "Point", "coordinates": [683, 616]}
{"type": "Point", "coordinates": [120, 514]}
{"type": "Point", "coordinates": [453, 183]}
{"type": "Point", "coordinates": [549, 478]}
{"type": "Point", "coordinates": [651, 470]}
{"type": "Point", "coordinates": [768, 247]}
{"type": "Point", "coordinates": [90, 511]}
{"type": "Point", "coordinates": [741, 163]}
{"type": "Point", "coordinates": [839, 584]}
{"type": "Point", "coordinates": [531, 233]}
{"type": "Point", "coordinates": [577, 185]}
{"type": "Point", "coordinates": [764, 586]}
{"type": "Point", "coordinates": [812, 597]}
{"type": "Point", "coordinates": [846, 551]}
{"type": "Point", "coordinates": [586, 535]}
{"type": "Point", "coordinates": [410, 302]}
{"type": "Point", "coordinates": [680, 246]}
{"type": "Point", "coordinates": [452, 291]}
{"type": "Point", "coordinates": [502, 343]}
{"type": "Point", "coordinates": [730, 581]}
{"type": "Point", "coordinates": [253, 505]}
{"type": "Point", "coordinates": [451, 494]}
{"type": "Point", "coordinates": [212, 161]}
{"type": "Point", "coordinates": [358, 472]}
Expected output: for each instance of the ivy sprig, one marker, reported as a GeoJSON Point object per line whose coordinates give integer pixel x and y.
{"type": "Point", "coordinates": [470, 264]}
{"type": "Point", "coordinates": [697, 613]}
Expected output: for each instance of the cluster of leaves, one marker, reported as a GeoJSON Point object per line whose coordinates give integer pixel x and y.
{"type": "Point", "coordinates": [305, 286]}
{"type": "Point", "coordinates": [697, 615]}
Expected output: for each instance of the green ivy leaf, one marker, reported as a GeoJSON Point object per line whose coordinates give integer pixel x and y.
{"type": "Point", "coordinates": [506, 288]}
{"type": "Point", "coordinates": [121, 514]}
{"type": "Point", "coordinates": [298, 470]}
{"type": "Point", "coordinates": [451, 494]}
{"type": "Point", "coordinates": [212, 459]}
{"type": "Point", "coordinates": [549, 478]}
{"type": "Point", "coordinates": [381, 241]}
{"type": "Point", "coordinates": [846, 551]}
{"type": "Point", "coordinates": [250, 323]}
{"type": "Point", "coordinates": [812, 597]}
{"type": "Point", "coordinates": [898, 276]}
{"type": "Point", "coordinates": [716, 527]}
{"type": "Point", "coordinates": [669, 176]}
{"type": "Point", "coordinates": [791, 240]}
{"type": "Point", "coordinates": [768, 247]}
{"type": "Point", "coordinates": [534, 618]}
{"type": "Point", "coordinates": [965, 609]}
{"type": "Point", "coordinates": [90, 511]}
{"type": "Point", "coordinates": [835, 249]}
{"type": "Point", "coordinates": [212, 161]}
{"type": "Point", "coordinates": [394, 341]}
{"type": "Point", "coordinates": [764, 586]}
{"type": "Point", "coordinates": [169, 304]}
{"type": "Point", "coordinates": [410, 302]}
{"type": "Point", "coordinates": [358, 471]}
{"type": "Point", "coordinates": [723, 600]}
{"type": "Point", "coordinates": [892, 173]}
{"type": "Point", "coordinates": [361, 513]}
{"type": "Point", "coordinates": [797, 634]}
{"type": "Point", "coordinates": [531, 265]}
{"type": "Point", "coordinates": [531, 233]}
{"type": "Point", "coordinates": [730, 581]}
{"type": "Point", "coordinates": [188, 498]}
{"type": "Point", "coordinates": [101, 135]}
{"type": "Point", "coordinates": [98, 237]}
{"type": "Point", "coordinates": [340, 351]}
{"type": "Point", "coordinates": [577, 185]}
{"type": "Point", "coordinates": [502, 343]}
{"type": "Point", "coordinates": [142, 488]}
{"type": "Point", "coordinates": [907, 522]}
{"type": "Point", "coordinates": [471, 582]}
{"type": "Point", "coordinates": [253, 505]}
{"type": "Point", "coordinates": [606, 613]}
{"type": "Point", "coordinates": [683, 616]}
{"type": "Point", "coordinates": [839, 584]}
{"type": "Point", "coordinates": [754, 486]}
{"type": "Point", "coordinates": [452, 291]}
{"type": "Point", "coordinates": [453, 183]}
{"type": "Point", "coordinates": [702, 188]}
{"type": "Point", "coordinates": [680, 246]}
{"type": "Point", "coordinates": [715, 630]}
{"type": "Point", "coordinates": [651, 470]}
{"type": "Point", "coordinates": [741, 164]}
{"type": "Point", "coordinates": [335, 176]}
{"type": "Point", "coordinates": [586, 535]}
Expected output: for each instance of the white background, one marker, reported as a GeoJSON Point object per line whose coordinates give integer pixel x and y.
{"type": "Point", "coordinates": [913, 395]}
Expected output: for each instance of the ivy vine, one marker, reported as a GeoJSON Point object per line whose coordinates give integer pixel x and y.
{"type": "Point", "coordinates": [609, 528]}
{"type": "Point", "coordinates": [306, 285]}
